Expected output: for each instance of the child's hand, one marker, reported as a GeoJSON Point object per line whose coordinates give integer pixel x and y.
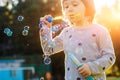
{"type": "Point", "coordinates": [84, 70]}
{"type": "Point", "coordinates": [45, 22]}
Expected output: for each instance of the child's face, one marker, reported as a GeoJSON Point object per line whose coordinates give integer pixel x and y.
{"type": "Point", "coordinates": [74, 10]}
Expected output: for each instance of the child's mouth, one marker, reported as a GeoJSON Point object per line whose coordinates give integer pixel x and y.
{"type": "Point", "coordinates": [74, 15]}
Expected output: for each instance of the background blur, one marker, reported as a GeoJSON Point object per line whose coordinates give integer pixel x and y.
{"type": "Point", "coordinates": [21, 53]}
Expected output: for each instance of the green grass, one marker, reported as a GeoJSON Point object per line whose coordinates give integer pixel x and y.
{"type": "Point", "coordinates": [113, 78]}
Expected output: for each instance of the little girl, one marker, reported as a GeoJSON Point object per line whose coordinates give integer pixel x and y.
{"type": "Point", "coordinates": [90, 43]}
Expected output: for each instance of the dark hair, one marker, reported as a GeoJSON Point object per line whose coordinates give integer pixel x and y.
{"type": "Point", "coordinates": [90, 8]}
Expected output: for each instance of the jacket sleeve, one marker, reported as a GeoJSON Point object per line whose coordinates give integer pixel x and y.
{"type": "Point", "coordinates": [47, 40]}
{"type": "Point", "coordinates": [106, 49]}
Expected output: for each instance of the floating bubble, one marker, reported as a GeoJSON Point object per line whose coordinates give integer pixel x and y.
{"type": "Point", "coordinates": [9, 33]}
{"type": "Point", "coordinates": [6, 30]}
{"type": "Point", "coordinates": [20, 18]}
{"type": "Point", "coordinates": [47, 60]}
{"type": "Point", "coordinates": [25, 32]}
{"type": "Point", "coordinates": [26, 28]}
{"type": "Point", "coordinates": [51, 43]}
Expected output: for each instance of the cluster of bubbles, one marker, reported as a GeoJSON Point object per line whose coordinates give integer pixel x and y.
{"type": "Point", "coordinates": [46, 36]}
{"type": "Point", "coordinates": [25, 31]}
{"type": "Point", "coordinates": [8, 32]}
{"type": "Point", "coordinates": [26, 28]}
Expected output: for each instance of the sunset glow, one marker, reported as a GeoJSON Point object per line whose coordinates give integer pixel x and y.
{"type": "Point", "coordinates": [100, 3]}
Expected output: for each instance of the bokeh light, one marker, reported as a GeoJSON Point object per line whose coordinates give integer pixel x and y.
{"type": "Point", "coordinates": [45, 1]}
{"type": "Point", "coordinates": [99, 4]}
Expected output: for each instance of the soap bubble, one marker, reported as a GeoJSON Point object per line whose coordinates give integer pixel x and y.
{"type": "Point", "coordinates": [47, 60]}
{"type": "Point", "coordinates": [6, 30]}
{"type": "Point", "coordinates": [25, 32]}
{"type": "Point", "coordinates": [20, 18]}
{"type": "Point", "coordinates": [9, 33]}
{"type": "Point", "coordinates": [26, 28]}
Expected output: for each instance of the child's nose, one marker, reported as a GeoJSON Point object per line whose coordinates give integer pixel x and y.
{"type": "Point", "coordinates": [70, 9]}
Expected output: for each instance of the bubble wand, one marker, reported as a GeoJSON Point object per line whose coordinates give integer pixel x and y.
{"type": "Point", "coordinates": [78, 64]}
{"type": "Point", "coordinates": [50, 19]}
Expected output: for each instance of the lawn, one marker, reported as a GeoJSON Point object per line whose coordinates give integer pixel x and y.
{"type": "Point", "coordinates": [113, 78]}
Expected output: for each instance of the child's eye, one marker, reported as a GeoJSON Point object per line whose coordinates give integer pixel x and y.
{"type": "Point", "coordinates": [66, 6]}
{"type": "Point", "coordinates": [75, 4]}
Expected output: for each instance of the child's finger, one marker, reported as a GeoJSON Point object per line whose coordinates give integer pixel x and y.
{"type": "Point", "coordinates": [47, 16]}
{"type": "Point", "coordinates": [81, 70]}
{"type": "Point", "coordinates": [45, 21]}
{"type": "Point", "coordinates": [41, 18]}
{"type": "Point", "coordinates": [85, 75]}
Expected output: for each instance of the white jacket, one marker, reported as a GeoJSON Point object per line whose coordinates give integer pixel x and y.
{"type": "Point", "coordinates": [90, 44]}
